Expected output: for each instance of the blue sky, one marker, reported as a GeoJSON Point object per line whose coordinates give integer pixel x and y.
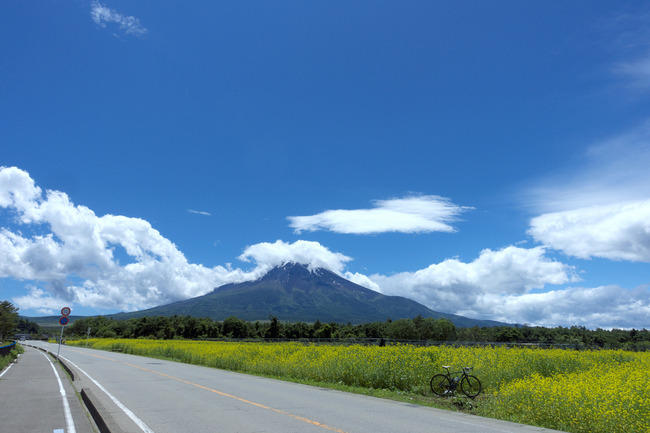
{"type": "Point", "coordinates": [487, 159]}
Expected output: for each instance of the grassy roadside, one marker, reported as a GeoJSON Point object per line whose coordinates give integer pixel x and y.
{"type": "Point", "coordinates": [456, 403]}
{"type": "Point", "coordinates": [6, 360]}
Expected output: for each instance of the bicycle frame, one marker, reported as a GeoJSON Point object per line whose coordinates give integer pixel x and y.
{"type": "Point", "coordinates": [444, 384]}
{"type": "Point", "coordinates": [455, 381]}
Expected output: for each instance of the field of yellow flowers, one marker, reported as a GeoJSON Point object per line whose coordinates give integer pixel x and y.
{"type": "Point", "coordinates": [587, 391]}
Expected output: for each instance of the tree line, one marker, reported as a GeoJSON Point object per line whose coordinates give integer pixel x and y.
{"type": "Point", "coordinates": [417, 329]}
{"type": "Point", "coordinates": [189, 327]}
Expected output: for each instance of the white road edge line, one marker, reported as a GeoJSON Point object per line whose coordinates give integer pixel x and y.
{"type": "Point", "coordinates": [6, 369]}
{"type": "Point", "coordinates": [69, 422]}
{"type": "Point", "coordinates": [144, 427]}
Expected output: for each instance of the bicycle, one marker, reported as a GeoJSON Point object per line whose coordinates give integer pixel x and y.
{"type": "Point", "coordinates": [444, 385]}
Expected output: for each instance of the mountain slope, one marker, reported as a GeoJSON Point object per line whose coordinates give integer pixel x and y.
{"type": "Point", "coordinates": [293, 293]}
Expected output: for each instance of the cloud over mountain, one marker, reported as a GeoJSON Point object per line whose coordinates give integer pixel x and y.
{"type": "Point", "coordinates": [269, 255]}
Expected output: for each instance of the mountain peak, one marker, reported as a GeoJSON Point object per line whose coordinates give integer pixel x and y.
{"type": "Point", "coordinates": [301, 267]}
{"type": "Point", "coordinates": [296, 292]}
{"type": "Point", "coordinates": [297, 275]}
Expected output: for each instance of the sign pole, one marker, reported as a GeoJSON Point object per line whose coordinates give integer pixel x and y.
{"type": "Point", "coordinates": [60, 339]}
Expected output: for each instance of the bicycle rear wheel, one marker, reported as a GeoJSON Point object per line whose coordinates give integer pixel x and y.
{"type": "Point", "coordinates": [440, 385]}
{"type": "Point", "coordinates": [471, 386]}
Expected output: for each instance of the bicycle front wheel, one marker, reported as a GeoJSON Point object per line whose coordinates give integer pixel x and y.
{"type": "Point", "coordinates": [471, 386]}
{"type": "Point", "coordinates": [440, 385]}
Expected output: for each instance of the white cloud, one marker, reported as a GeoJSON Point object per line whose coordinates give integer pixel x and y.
{"type": "Point", "coordinates": [416, 214]}
{"type": "Point", "coordinates": [313, 254]}
{"type": "Point", "coordinates": [605, 307]}
{"type": "Point", "coordinates": [17, 190]}
{"type": "Point", "coordinates": [73, 261]}
{"type": "Point", "coordinates": [506, 285]}
{"type": "Point", "coordinates": [609, 172]}
{"type": "Point", "coordinates": [618, 231]}
{"type": "Point", "coordinates": [601, 208]}
{"type": "Point", "coordinates": [498, 285]}
{"type": "Point", "coordinates": [637, 71]}
{"type": "Point", "coordinates": [362, 280]}
{"type": "Point", "coordinates": [103, 15]}
{"type": "Point", "coordinates": [76, 258]}
{"type": "Point", "coordinates": [40, 301]}
{"type": "Point", "coordinates": [198, 212]}
{"type": "Point", "coordinates": [474, 289]}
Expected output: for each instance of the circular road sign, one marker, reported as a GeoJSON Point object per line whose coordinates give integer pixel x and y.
{"type": "Point", "coordinates": [64, 321]}
{"type": "Point", "coordinates": [65, 311]}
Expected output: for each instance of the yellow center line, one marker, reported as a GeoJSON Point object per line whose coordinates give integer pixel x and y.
{"type": "Point", "coordinates": [282, 412]}
{"type": "Point", "coordinates": [96, 356]}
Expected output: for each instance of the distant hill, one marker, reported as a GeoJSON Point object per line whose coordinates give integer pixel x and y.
{"type": "Point", "coordinates": [293, 293]}
{"type": "Point", "coordinates": [50, 321]}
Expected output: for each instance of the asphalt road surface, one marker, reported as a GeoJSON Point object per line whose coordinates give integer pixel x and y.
{"type": "Point", "coordinates": [36, 396]}
{"type": "Point", "coordinates": [150, 395]}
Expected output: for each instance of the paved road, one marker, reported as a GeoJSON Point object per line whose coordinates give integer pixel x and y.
{"type": "Point", "coordinates": [169, 397]}
{"type": "Point", "coordinates": [36, 396]}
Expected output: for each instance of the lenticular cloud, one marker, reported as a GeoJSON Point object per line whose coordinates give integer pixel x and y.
{"type": "Point", "coordinates": [416, 214]}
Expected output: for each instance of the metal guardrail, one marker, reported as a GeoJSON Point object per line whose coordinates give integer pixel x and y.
{"type": "Point", "coordinates": [5, 350]}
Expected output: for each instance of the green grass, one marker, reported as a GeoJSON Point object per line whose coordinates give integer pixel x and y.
{"type": "Point", "coordinates": [6, 360]}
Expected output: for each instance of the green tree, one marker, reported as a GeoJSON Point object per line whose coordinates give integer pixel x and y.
{"type": "Point", "coordinates": [403, 329]}
{"type": "Point", "coordinates": [296, 330]}
{"type": "Point", "coordinates": [373, 330]}
{"type": "Point", "coordinates": [434, 329]}
{"type": "Point", "coordinates": [324, 331]}
{"type": "Point", "coordinates": [506, 334]}
{"type": "Point", "coordinates": [234, 328]}
{"type": "Point", "coordinates": [275, 328]}
{"type": "Point", "coordinates": [27, 327]}
{"type": "Point", "coordinates": [443, 329]}
{"type": "Point", "coordinates": [8, 319]}
{"type": "Point", "coordinates": [315, 327]}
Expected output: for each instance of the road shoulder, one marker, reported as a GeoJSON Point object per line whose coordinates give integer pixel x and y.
{"type": "Point", "coordinates": [32, 399]}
